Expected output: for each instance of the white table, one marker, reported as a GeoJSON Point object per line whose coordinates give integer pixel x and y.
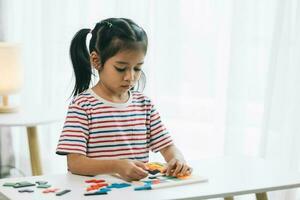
{"type": "Point", "coordinates": [30, 120]}
{"type": "Point", "coordinates": [227, 177]}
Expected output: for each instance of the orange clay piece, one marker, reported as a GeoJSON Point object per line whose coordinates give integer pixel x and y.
{"type": "Point", "coordinates": [183, 177]}
{"type": "Point", "coordinates": [96, 186]}
{"type": "Point", "coordinates": [155, 166]}
{"type": "Point", "coordinates": [161, 167]}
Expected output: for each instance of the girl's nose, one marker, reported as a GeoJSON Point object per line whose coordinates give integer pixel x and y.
{"type": "Point", "coordinates": [129, 75]}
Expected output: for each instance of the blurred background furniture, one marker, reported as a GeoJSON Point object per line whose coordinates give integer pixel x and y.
{"type": "Point", "coordinates": [30, 120]}
{"type": "Point", "coordinates": [11, 76]}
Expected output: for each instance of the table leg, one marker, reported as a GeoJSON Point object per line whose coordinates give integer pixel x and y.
{"type": "Point", "coordinates": [228, 198]}
{"type": "Point", "coordinates": [34, 151]}
{"type": "Point", "coordinates": [261, 196]}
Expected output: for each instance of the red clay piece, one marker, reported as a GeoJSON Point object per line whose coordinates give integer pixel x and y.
{"type": "Point", "coordinates": [51, 190]}
{"type": "Point", "coordinates": [95, 181]}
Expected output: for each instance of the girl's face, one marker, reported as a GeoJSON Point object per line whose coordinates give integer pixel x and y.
{"type": "Point", "coordinates": [122, 71]}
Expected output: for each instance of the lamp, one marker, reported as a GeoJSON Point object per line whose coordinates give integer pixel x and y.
{"type": "Point", "coordinates": [10, 74]}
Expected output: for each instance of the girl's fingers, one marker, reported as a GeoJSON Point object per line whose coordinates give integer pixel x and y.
{"type": "Point", "coordinates": [178, 168]}
{"type": "Point", "coordinates": [171, 166]}
{"type": "Point", "coordinates": [141, 165]}
{"type": "Point", "coordinates": [190, 171]}
{"type": "Point", "coordinates": [133, 176]}
{"type": "Point", "coordinates": [127, 178]}
{"type": "Point", "coordinates": [184, 170]}
{"type": "Point", "coordinates": [141, 172]}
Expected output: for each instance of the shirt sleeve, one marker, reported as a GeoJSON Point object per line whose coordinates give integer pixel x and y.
{"type": "Point", "coordinates": [159, 136]}
{"type": "Point", "coordinates": [75, 133]}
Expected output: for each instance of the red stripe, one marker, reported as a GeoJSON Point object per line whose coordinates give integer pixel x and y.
{"type": "Point", "coordinates": [121, 135]}
{"type": "Point", "coordinates": [91, 98]}
{"type": "Point", "coordinates": [154, 115]}
{"type": "Point", "coordinates": [159, 131]}
{"type": "Point", "coordinates": [116, 126]}
{"type": "Point", "coordinates": [160, 140]}
{"type": "Point", "coordinates": [104, 107]}
{"type": "Point", "coordinates": [152, 120]}
{"type": "Point", "coordinates": [101, 107]}
{"type": "Point", "coordinates": [80, 100]}
{"type": "Point", "coordinates": [71, 149]}
{"type": "Point", "coordinates": [71, 121]}
{"type": "Point", "coordinates": [170, 141]}
{"type": "Point", "coordinates": [84, 99]}
{"type": "Point", "coordinates": [130, 106]}
{"type": "Point", "coordinates": [75, 145]}
{"type": "Point", "coordinates": [72, 131]}
{"type": "Point", "coordinates": [120, 140]}
{"type": "Point", "coordinates": [135, 93]}
{"type": "Point", "coordinates": [115, 150]}
{"type": "Point", "coordinates": [139, 106]}
{"type": "Point", "coordinates": [119, 111]}
{"type": "Point", "coordinates": [76, 117]}
{"type": "Point", "coordinates": [140, 97]}
{"type": "Point", "coordinates": [152, 130]}
{"type": "Point", "coordinates": [110, 121]}
{"type": "Point", "coordinates": [75, 107]}
{"type": "Point", "coordinates": [71, 135]}
{"type": "Point", "coordinates": [121, 154]}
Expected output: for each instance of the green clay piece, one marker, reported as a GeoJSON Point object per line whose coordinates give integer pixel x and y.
{"type": "Point", "coordinates": [43, 186]}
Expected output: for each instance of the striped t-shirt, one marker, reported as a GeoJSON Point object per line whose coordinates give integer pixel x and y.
{"type": "Point", "coordinates": [100, 129]}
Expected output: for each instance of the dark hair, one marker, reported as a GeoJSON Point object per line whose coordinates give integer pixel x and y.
{"type": "Point", "coordinates": [109, 37]}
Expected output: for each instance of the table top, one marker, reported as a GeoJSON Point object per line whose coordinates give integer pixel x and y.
{"type": "Point", "coordinates": [30, 118]}
{"type": "Point", "coordinates": [226, 177]}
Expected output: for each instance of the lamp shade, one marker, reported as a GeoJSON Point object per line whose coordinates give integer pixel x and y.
{"type": "Point", "coordinates": [10, 68]}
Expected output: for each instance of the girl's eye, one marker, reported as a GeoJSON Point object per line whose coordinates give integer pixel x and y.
{"type": "Point", "coordinates": [137, 69]}
{"type": "Point", "coordinates": [120, 69]}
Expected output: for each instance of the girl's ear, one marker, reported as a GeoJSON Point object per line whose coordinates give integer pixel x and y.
{"type": "Point", "coordinates": [95, 60]}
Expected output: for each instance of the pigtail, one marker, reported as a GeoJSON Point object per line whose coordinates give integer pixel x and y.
{"type": "Point", "coordinates": [81, 61]}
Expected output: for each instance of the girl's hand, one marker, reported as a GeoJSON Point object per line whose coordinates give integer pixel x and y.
{"type": "Point", "coordinates": [177, 167]}
{"type": "Point", "coordinates": [131, 170]}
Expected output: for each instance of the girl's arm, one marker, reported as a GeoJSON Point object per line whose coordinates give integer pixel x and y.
{"type": "Point", "coordinates": [127, 169]}
{"type": "Point", "coordinates": [176, 163]}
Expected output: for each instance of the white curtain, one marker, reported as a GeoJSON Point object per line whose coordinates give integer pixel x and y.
{"type": "Point", "coordinates": [7, 161]}
{"type": "Point", "coordinates": [224, 74]}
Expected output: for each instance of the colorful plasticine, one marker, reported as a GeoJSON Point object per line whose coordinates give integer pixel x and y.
{"type": "Point", "coordinates": [43, 186]}
{"type": "Point", "coordinates": [96, 186]}
{"type": "Point", "coordinates": [62, 192]}
{"type": "Point", "coordinates": [23, 184]}
{"type": "Point", "coordinates": [26, 190]}
{"type": "Point", "coordinates": [52, 190]}
{"type": "Point", "coordinates": [95, 181]}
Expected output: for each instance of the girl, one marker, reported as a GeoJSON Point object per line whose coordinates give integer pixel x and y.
{"type": "Point", "coordinates": [111, 127]}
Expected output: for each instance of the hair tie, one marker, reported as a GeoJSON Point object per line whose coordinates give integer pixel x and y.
{"type": "Point", "coordinates": [107, 24]}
